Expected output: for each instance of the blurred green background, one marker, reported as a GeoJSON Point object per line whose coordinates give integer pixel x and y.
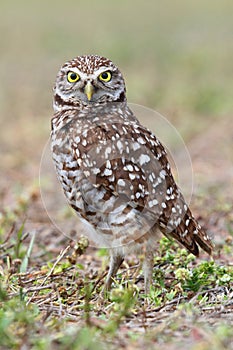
{"type": "Point", "coordinates": [176, 56]}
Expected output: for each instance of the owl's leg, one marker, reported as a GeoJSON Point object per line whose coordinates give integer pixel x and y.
{"type": "Point", "coordinates": [148, 269]}
{"type": "Point", "coordinates": [115, 263]}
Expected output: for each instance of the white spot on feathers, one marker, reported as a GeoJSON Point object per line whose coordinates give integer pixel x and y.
{"type": "Point", "coordinates": [107, 172]}
{"type": "Point", "coordinates": [144, 158]}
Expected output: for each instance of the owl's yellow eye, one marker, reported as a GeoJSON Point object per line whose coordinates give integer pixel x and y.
{"type": "Point", "coordinates": [105, 76]}
{"type": "Point", "coordinates": [72, 77]}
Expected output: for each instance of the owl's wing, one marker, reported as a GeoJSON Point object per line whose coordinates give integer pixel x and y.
{"type": "Point", "coordinates": [121, 158]}
{"type": "Point", "coordinates": [127, 161]}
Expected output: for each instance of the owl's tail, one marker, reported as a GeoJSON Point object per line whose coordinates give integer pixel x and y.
{"type": "Point", "coordinates": [190, 234]}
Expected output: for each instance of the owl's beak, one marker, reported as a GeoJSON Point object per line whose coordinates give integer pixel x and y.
{"type": "Point", "coordinates": [89, 90]}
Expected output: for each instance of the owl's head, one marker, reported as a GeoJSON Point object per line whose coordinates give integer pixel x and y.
{"type": "Point", "coordinates": [88, 80]}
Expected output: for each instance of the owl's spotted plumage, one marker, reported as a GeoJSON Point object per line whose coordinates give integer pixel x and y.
{"type": "Point", "coordinates": [114, 171]}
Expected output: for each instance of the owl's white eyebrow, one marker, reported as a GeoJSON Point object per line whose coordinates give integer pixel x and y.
{"type": "Point", "coordinates": [103, 69]}
{"type": "Point", "coordinates": [93, 75]}
{"type": "Point", "coordinates": [76, 70]}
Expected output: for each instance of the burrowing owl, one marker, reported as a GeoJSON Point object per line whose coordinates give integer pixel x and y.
{"type": "Point", "coordinates": [114, 171]}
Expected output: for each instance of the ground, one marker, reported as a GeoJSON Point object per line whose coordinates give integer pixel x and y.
{"type": "Point", "coordinates": [178, 62]}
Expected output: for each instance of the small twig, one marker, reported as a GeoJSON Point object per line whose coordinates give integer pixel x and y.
{"type": "Point", "coordinates": [174, 301]}
{"type": "Point", "coordinates": [32, 289]}
{"type": "Point", "coordinates": [201, 292]}
{"type": "Point", "coordinates": [35, 289]}
{"type": "Point", "coordinates": [60, 256]}
{"type": "Point", "coordinates": [104, 274]}
{"type": "Point", "coordinates": [9, 234]}
{"type": "Point", "coordinates": [45, 301]}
